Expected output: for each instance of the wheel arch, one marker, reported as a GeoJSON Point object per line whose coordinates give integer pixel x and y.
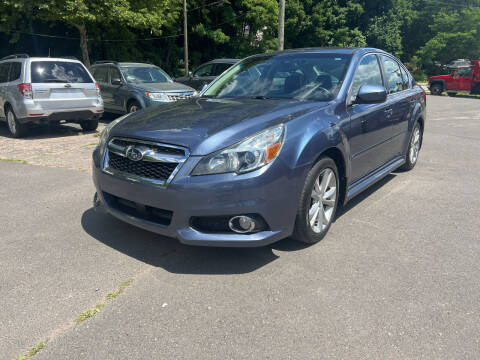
{"type": "Point", "coordinates": [439, 81]}
{"type": "Point", "coordinates": [132, 99]}
{"type": "Point", "coordinates": [338, 157]}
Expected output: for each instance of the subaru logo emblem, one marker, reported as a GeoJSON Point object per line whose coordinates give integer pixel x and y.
{"type": "Point", "coordinates": [133, 153]}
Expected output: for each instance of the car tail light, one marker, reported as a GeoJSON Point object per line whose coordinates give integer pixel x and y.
{"type": "Point", "coordinates": [424, 96]}
{"type": "Point", "coordinates": [98, 88]}
{"type": "Point", "coordinates": [25, 90]}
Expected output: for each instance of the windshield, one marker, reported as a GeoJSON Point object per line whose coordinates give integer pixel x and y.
{"type": "Point", "coordinates": [316, 77]}
{"type": "Point", "coordinates": [144, 74]}
{"type": "Point", "coordinates": [59, 72]}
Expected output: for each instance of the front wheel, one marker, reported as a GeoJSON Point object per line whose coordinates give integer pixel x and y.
{"type": "Point", "coordinates": [413, 148]}
{"type": "Point", "coordinates": [318, 202]}
{"type": "Point", "coordinates": [133, 106]}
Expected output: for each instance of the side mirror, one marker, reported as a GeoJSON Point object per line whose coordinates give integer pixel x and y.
{"type": "Point", "coordinates": [190, 74]}
{"type": "Point", "coordinates": [117, 81]}
{"type": "Point", "coordinates": [371, 94]}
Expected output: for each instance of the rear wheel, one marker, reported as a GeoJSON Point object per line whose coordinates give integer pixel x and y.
{"type": "Point", "coordinates": [413, 148]}
{"type": "Point", "coordinates": [436, 89]}
{"type": "Point", "coordinates": [16, 129]}
{"type": "Point", "coordinates": [318, 202]}
{"type": "Point", "coordinates": [89, 125]}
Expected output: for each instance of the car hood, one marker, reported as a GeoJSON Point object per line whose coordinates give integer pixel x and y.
{"type": "Point", "coordinates": [206, 125]}
{"type": "Point", "coordinates": [164, 86]}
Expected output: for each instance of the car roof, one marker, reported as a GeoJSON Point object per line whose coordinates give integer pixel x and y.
{"type": "Point", "coordinates": [327, 50]}
{"type": "Point", "coordinates": [42, 59]}
{"type": "Point", "coordinates": [223, 61]}
{"type": "Point", "coordinates": [123, 64]}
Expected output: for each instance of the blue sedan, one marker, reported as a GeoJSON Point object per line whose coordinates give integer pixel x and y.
{"type": "Point", "coordinates": [269, 150]}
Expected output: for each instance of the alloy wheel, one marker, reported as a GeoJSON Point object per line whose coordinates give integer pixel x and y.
{"type": "Point", "coordinates": [11, 122]}
{"type": "Point", "coordinates": [415, 146]}
{"type": "Point", "coordinates": [322, 203]}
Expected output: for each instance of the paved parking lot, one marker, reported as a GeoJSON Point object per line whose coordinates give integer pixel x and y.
{"type": "Point", "coordinates": [396, 278]}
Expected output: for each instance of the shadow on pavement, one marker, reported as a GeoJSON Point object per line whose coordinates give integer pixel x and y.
{"type": "Point", "coordinates": [55, 130]}
{"type": "Point", "coordinates": [170, 254]}
{"type": "Point", "coordinates": [175, 257]}
{"type": "Point", "coordinates": [50, 131]}
{"type": "Point", "coordinates": [363, 195]}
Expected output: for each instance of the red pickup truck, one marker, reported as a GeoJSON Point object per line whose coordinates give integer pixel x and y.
{"type": "Point", "coordinates": [464, 79]}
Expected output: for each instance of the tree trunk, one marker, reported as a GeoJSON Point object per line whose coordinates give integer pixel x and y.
{"type": "Point", "coordinates": [83, 43]}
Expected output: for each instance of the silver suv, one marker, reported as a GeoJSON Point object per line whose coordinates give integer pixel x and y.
{"type": "Point", "coordinates": [46, 90]}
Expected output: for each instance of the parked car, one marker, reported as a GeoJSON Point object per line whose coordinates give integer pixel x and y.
{"type": "Point", "coordinates": [45, 90]}
{"type": "Point", "coordinates": [464, 79]}
{"type": "Point", "coordinates": [206, 73]}
{"type": "Point", "coordinates": [269, 150]}
{"type": "Point", "coordinates": [127, 87]}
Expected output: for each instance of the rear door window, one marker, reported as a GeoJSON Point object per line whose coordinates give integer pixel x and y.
{"type": "Point", "coordinates": [406, 79]}
{"type": "Point", "coordinates": [59, 72]}
{"type": "Point", "coordinates": [15, 71]}
{"type": "Point", "coordinates": [101, 74]}
{"type": "Point", "coordinates": [4, 68]}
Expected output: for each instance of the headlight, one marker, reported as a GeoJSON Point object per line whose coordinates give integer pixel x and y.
{"type": "Point", "coordinates": [250, 154]}
{"type": "Point", "coordinates": [157, 96]}
{"type": "Point", "coordinates": [106, 131]}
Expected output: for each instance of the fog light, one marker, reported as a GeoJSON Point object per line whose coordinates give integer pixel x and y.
{"type": "Point", "coordinates": [242, 224]}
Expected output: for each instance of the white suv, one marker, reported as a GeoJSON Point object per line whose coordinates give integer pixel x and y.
{"type": "Point", "coordinates": [43, 90]}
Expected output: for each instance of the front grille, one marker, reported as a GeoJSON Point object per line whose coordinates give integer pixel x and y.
{"type": "Point", "coordinates": [155, 163]}
{"type": "Point", "coordinates": [144, 169]}
{"type": "Point", "coordinates": [179, 96]}
{"type": "Point", "coordinates": [158, 148]}
{"type": "Point", "coordinates": [144, 212]}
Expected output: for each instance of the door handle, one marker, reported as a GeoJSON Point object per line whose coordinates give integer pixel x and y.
{"type": "Point", "coordinates": [389, 112]}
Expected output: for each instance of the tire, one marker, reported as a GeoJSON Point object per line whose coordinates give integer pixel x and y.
{"type": "Point", "coordinates": [16, 129]}
{"type": "Point", "coordinates": [308, 228]}
{"type": "Point", "coordinates": [414, 146]}
{"type": "Point", "coordinates": [452, 94]}
{"type": "Point", "coordinates": [89, 125]}
{"type": "Point", "coordinates": [133, 106]}
{"type": "Point", "coordinates": [476, 89]}
{"type": "Point", "coordinates": [436, 89]}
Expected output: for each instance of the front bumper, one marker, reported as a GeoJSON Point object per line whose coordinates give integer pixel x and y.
{"type": "Point", "coordinates": [271, 192]}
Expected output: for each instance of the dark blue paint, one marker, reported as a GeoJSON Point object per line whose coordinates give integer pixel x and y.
{"type": "Point", "coordinates": [371, 138]}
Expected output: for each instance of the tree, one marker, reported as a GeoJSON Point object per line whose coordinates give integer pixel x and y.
{"type": "Point", "coordinates": [136, 14]}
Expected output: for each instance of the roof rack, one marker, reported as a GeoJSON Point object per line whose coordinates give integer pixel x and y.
{"type": "Point", "coordinates": [69, 57]}
{"type": "Point", "coordinates": [105, 62]}
{"type": "Point", "coordinates": [16, 56]}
